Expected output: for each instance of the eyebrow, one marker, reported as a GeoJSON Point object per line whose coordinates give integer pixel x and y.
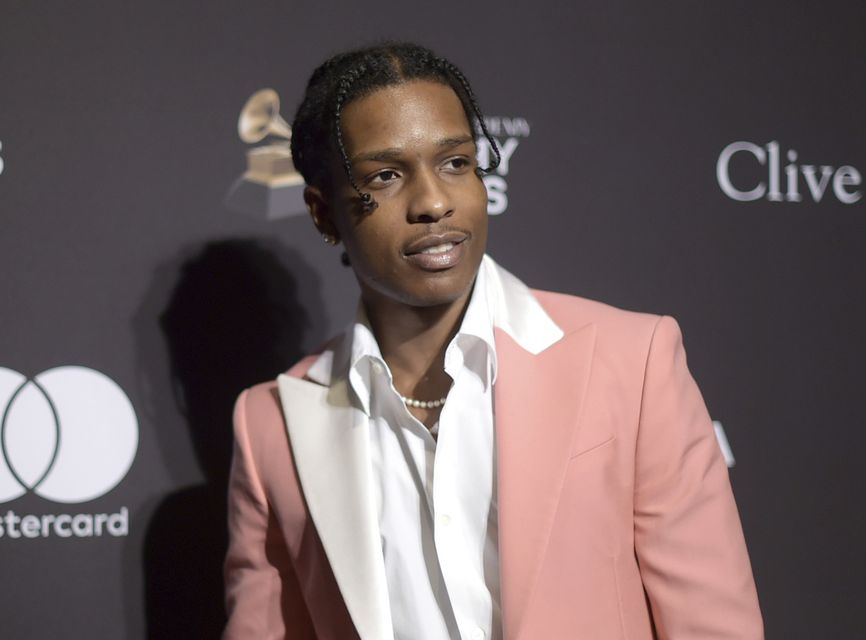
{"type": "Point", "coordinates": [384, 155]}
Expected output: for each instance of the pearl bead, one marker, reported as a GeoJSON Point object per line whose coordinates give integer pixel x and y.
{"type": "Point", "coordinates": [423, 404]}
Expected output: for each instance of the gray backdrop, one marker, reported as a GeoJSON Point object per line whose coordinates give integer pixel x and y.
{"type": "Point", "coordinates": [119, 255]}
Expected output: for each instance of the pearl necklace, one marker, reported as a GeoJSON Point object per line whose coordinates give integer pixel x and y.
{"type": "Point", "coordinates": [423, 404]}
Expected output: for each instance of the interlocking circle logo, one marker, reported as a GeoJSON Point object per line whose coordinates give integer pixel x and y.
{"type": "Point", "coordinates": [69, 434]}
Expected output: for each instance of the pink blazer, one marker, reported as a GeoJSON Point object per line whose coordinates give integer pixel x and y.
{"type": "Point", "coordinates": [616, 516]}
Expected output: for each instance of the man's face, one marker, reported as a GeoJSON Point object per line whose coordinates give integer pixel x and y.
{"type": "Point", "coordinates": [412, 149]}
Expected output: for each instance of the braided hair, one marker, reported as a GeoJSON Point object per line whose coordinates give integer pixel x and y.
{"type": "Point", "coordinates": [317, 127]}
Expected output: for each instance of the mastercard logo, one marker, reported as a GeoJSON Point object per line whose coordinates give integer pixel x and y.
{"type": "Point", "coordinates": [69, 434]}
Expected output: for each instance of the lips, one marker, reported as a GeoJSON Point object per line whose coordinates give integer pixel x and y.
{"type": "Point", "coordinates": [433, 242]}
{"type": "Point", "coordinates": [436, 251]}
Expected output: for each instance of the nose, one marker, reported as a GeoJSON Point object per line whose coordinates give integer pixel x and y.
{"type": "Point", "coordinates": [430, 200]}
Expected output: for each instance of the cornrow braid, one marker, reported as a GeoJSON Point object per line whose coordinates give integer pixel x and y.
{"type": "Point", "coordinates": [345, 84]}
{"type": "Point", "coordinates": [317, 126]}
{"type": "Point", "coordinates": [456, 73]}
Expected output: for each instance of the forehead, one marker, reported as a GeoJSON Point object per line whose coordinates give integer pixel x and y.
{"type": "Point", "coordinates": [404, 116]}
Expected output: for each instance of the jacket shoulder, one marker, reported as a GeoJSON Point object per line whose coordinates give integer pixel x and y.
{"type": "Point", "coordinates": [260, 404]}
{"type": "Point", "coordinates": [259, 408]}
{"type": "Point", "coordinates": [572, 312]}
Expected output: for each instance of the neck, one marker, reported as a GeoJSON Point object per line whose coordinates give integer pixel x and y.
{"type": "Point", "coordinates": [413, 342]}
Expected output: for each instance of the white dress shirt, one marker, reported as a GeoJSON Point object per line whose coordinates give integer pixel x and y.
{"type": "Point", "coordinates": [436, 497]}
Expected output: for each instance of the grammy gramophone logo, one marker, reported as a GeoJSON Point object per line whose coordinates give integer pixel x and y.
{"type": "Point", "coordinates": [271, 187]}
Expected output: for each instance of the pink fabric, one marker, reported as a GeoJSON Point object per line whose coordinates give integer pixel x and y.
{"type": "Point", "coordinates": [616, 514]}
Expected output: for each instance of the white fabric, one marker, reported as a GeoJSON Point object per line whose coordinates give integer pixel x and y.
{"type": "Point", "coordinates": [332, 458]}
{"type": "Point", "coordinates": [436, 498]}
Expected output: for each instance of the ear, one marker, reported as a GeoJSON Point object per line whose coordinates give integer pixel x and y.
{"type": "Point", "coordinates": [320, 211]}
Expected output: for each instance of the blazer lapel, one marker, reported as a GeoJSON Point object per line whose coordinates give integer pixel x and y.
{"type": "Point", "coordinates": [538, 401]}
{"type": "Point", "coordinates": [330, 441]}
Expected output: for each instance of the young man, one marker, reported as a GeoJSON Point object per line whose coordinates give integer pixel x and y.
{"type": "Point", "coordinates": [471, 458]}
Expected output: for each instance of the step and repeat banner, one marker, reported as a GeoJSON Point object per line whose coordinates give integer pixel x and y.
{"type": "Point", "coordinates": [705, 161]}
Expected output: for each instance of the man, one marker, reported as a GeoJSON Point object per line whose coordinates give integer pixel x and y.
{"type": "Point", "coordinates": [470, 459]}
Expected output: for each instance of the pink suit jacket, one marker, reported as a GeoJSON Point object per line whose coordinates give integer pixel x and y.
{"type": "Point", "coordinates": [616, 516]}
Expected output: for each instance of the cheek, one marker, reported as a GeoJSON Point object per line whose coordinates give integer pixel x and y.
{"type": "Point", "coordinates": [372, 249]}
{"type": "Point", "coordinates": [480, 198]}
{"type": "Point", "coordinates": [479, 211]}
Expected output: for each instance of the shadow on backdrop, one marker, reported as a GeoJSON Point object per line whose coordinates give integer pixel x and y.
{"type": "Point", "coordinates": [233, 319]}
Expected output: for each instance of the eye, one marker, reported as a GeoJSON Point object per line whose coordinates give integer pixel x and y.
{"type": "Point", "coordinates": [458, 164]}
{"type": "Point", "coordinates": [383, 178]}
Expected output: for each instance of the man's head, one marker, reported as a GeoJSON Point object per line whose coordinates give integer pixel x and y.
{"type": "Point", "coordinates": [385, 141]}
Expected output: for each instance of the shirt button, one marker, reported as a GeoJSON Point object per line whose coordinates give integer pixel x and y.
{"type": "Point", "coordinates": [477, 634]}
{"type": "Point", "coordinates": [377, 367]}
{"type": "Point", "coordinates": [444, 519]}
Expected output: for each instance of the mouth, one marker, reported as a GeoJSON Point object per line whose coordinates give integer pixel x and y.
{"type": "Point", "coordinates": [436, 252]}
{"type": "Point", "coordinates": [439, 248]}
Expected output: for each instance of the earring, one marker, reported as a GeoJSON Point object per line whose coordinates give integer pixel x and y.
{"type": "Point", "coordinates": [329, 239]}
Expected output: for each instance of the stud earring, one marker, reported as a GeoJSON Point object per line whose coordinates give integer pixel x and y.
{"type": "Point", "coordinates": [329, 239]}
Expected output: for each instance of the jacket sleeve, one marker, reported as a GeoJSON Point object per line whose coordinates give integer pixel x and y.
{"type": "Point", "coordinates": [688, 538]}
{"type": "Point", "coordinates": [263, 598]}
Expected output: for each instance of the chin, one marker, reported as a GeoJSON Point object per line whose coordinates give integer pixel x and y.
{"type": "Point", "coordinates": [442, 290]}
{"type": "Point", "coordinates": [431, 291]}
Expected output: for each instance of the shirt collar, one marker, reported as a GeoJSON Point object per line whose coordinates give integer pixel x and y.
{"type": "Point", "coordinates": [473, 346]}
{"type": "Point", "coordinates": [365, 359]}
{"type": "Point", "coordinates": [499, 299]}
{"type": "Point", "coordinates": [516, 310]}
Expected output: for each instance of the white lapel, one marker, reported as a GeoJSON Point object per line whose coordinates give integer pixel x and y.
{"type": "Point", "coordinates": [330, 441]}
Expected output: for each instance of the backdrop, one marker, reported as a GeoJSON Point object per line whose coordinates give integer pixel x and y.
{"type": "Point", "coordinates": [703, 160]}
